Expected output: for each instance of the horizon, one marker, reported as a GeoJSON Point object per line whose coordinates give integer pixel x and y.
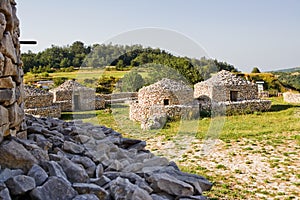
{"type": "Point", "coordinates": [243, 34]}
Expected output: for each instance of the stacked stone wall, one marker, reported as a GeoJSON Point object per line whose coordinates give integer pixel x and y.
{"type": "Point", "coordinates": [49, 111]}
{"type": "Point", "coordinates": [247, 106]}
{"type": "Point", "coordinates": [176, 111]}
{"type": "Point", "coordinates": [291, 97]}
{"type": "Point", "coordinates": [11, 73]}
{"type": "Point", "coordinates": [39, 101]}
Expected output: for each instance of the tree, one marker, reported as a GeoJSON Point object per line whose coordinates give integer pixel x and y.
{"type": "Point", "coordinates": [132, 82]}
{"type": "Point", "coordinates": [120, 65]}
{"type": "Point", "coordinates": [255, 70]}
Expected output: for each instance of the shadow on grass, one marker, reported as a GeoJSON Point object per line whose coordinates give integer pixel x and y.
{"type": "Point", "coordinates": [280, 107]}
{"type": "Point", "coordinates": [71, 116]}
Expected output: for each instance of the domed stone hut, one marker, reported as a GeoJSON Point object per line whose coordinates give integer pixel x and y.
{"type": "Point", "coordinates": [40, 103]}
{"type": "Point", "coordinates": [165, 97]}
{"type": "Point", "coordinates": [235, 93]}
{"type": "Point", "coordinates": [73, 96]}
{"type": "Point", "coordinates": [225, 86]}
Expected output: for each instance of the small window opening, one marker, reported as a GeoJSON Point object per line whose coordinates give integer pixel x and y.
{"type": "Point", "coordinates": [233, 95]}
{"type": "Point", "coordinates": [166, 102]}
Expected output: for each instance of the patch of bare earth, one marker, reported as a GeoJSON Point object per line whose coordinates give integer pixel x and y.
{"type": "Point", "coordinates": [260, 169]}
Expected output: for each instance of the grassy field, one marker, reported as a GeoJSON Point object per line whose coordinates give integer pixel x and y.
{"type": "Point", "coordinates": [79, 75]}
{"type": "Point", "coordinates": [254, 156]}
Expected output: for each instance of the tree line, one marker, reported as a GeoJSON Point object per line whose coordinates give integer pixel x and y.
{"type": "Point", "coordinates": [66, 58]}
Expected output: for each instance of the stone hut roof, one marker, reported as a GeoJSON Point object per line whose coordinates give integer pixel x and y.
{"type": "Point", "coordinates": [167, 85]}
{"type": "Point", "coordinates": [70, 85]}
{"type": "Point", "coordinates": [226, 78]}
{"type": "Point", "coordinates": [33, 91]}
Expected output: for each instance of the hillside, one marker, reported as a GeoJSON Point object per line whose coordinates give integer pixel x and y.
{"type": "Point", "coordinates": [289, 77]}
{"type": "Point", "coordinates": [272, 82]}
{"type": "Point", "coordinates": [66, 58]}
{"type": "Point", "coordinates": [288, 70]}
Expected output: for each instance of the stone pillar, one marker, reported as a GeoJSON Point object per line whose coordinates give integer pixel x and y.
{"type": "Point", "coordinates": [11, 73]}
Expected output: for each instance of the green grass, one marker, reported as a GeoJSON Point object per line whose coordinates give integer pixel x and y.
{"type": "Point", "coordinates": [268, 125]}
{"type": "Point", "coordinates": [81, 74]}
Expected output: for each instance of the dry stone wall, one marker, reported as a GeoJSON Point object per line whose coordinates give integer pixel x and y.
{"type": "Point", "coordinates": [291, 97]}
{"type": "Point", "coordinates": [40, 103]}
{"type": "Point", "coordinates": [11, 73]}
{"type": "Point", "coordinates": [244, 107]}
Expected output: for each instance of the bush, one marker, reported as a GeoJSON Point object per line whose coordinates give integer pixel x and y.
{"type": "Point", "coordinates": [132, 82]}
{"type": "Point", "coordinates": [106, 84]}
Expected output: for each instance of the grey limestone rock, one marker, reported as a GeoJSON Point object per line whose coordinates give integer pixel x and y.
{"type": "Point", "coordinates": [54, 188]}
{"type": "Point", "coordinates": [14, 155]}
{"type": "Point", "coordinates": [39, 174]}
{"type": "Point", "coordinates": [90, 188]}
{"type": "Point", "coordinates": [20, 184]}
{"type": "Point", "coordinates": [75, 172]}
{"type": "Point", "coordinates": [123, 189]}
{"type": "Point", "coordinates": [171, 185]}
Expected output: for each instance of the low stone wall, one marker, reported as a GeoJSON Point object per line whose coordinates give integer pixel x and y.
{"type": "Point", "coordinates": [42, 100]}
{"type": "Point", "coordinates": [65, 106]}
{"type": "Point", "coordinates": [243, 107]}
{"type": "Point", "coordinates": [49, 111]}
{"type": "Point", "coordinates": [291, 97]}
{"type": "Point", "coordinates": [155, 117]}
{"type": "Point", "coordinates": [39, 102]}
{"type": "Point", "coordinates": [177, 111]}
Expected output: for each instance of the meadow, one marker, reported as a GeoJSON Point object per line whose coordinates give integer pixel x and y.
{"type": "Point", "coordinates": [253, 156]}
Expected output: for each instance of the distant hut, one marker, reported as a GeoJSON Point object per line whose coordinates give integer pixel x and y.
{"type": "Point", "coordinates": [40, 103]}
{"type": "Point", "coordinates": [236, 93]}
{"type": "Point", "coordinates": [73, 96]}
{"type": "Point", "coordinates": [225, 86]}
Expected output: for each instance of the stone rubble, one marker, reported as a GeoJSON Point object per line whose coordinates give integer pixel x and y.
{"type": "Point", "coordinates": [76, 160]}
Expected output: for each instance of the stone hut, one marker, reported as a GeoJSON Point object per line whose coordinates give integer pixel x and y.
{"type": "Point", "coordinates": [73, 96]}
{"type": "Point", "coordinates": [11, 73]}
{"type": "Point", "coordinates": [236, 93]}
{"type": "Point", "coordinates": [40, 103]}
{"type": "Point", "coordinates": [166, 97]}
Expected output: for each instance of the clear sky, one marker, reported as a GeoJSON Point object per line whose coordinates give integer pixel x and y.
{"type": "Point", "coordinates": [245, 33]}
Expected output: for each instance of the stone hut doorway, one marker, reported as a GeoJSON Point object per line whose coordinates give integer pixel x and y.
{"type": "Point", "coordinates": [76, 102]}
{"type": "Point", "coordinates": [233, 95]}
{"type": "Point", "coordinates": [166, 102]}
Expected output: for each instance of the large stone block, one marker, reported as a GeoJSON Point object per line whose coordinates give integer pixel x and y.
{"type": "Point", "coordinates": [14, 155]}
{"type": "Point", "coordinates": [6, 95]}
{"type": "Point", "coordinates": [16, 115]}
{"type": "Point", "coordinates": [5, 7]}
{"type": "Point", "coordinates": [10, 69]}
{"type": "Point", "coordinates": [4, 119]}
{"type": "Point", "coordinates": [6, 83]}
{"type": "Point", "coordinates": [7, 47]}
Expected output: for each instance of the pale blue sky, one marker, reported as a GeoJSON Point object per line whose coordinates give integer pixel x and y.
{"type": "Point", "coordinates": [245, 33]}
